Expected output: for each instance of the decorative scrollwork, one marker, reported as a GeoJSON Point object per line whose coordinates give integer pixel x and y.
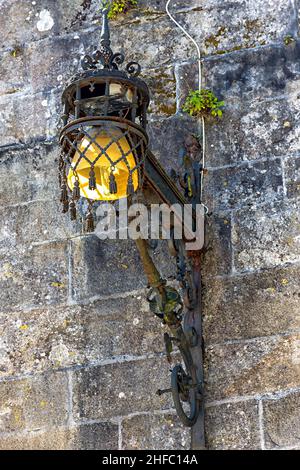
{"type": "Point", "coordinates": [183, 390]}
{"type": "Point", "coordinates": [117, 59]}
{"type": "Point", "coordinates": [134, 69]}
{"type": "Point", "coordinates": [105, 57]}
{"type": "Point", "coordinates": [87, 63]}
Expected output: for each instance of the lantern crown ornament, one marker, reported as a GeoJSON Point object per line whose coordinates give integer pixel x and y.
{"type": "Point", "coordinates": [104, 140]}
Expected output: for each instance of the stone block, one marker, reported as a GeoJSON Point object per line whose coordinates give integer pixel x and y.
{"type": "Point", "coordinates": [282, 421]}
{"type": "Point", "coordinates": [62, 336]}
{"type": "Point", "coordinates": [38, 160]}
{"type": "Point", "coordinates": [267, 236]}
{"type": "Point", "coordinates": [121, 388]}
{"type": "Point", "coordinates": [54, 61]}
{"type": "Point", "coordinates": [26, 118]}
{"type": "Point", "coordinates": [167, 137]}
{"type": "Point", "coordinates": [24, 22]}
{"type": "Point", "coordinates": [252, 75]}
{"type": "Point", "coordinates": [100, 436]}
{"type": "Point", "coordinates": [231, 27]}
{"type": "Point", "coordinates": [233, 426]}
{"type": "Point", "coordinates": [35, 222]}
{"type": "Point", "coordinates": [34, 276]}
{"type": "Point", "coordinates": [34, 402]}
{"type": "Point", "coordinates": [244, 185]}
{"type": "Point", "coordinates": [252, 368]}
{"type": "Point", "coordinates": [109, 267]}
{"type": "Point", "coordinates": [253, 305]}
{"type": "Point", "coordinates": [104, 267]}
{"type": "Point", "coordinates": [162, 86]}
{"type": "Point", "coordinates": [254, 131]}
{"type": "Point", "coordinates": [218, 28]}
{"type": "Point", "coordinates": [155, 432]}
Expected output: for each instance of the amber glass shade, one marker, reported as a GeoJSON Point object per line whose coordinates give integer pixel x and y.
{"type": "Point", "coordinates": [109, 153]}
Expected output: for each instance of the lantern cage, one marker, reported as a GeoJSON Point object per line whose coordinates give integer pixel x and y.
{"type": "Point", "coordinates": [103, 141]}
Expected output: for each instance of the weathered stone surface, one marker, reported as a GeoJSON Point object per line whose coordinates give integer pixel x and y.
{"type": "Point", "coordinates": [260, 25]}
{"type": "Point", "coordinates": [53, 61]}
{"type": "Point", "coordinates": [256, 367]}
{"type": "Point", "coordinates": [155, 432]}
{"type": "Point", "coordinates": [253, 131]}
{"type": "Point", "coordinates": [266, 236]}
{"type": "Point", "coordinates": [245, 185]}
{"type": "Point", "coordinates": [259, 304]}
{"type": "Point", "coordinates": [292, 176]}
{"type": "Point", "coordinates": [272, 125]}
{"type": "Point", "coordinates": [62, 336]}
{"type": "Point", "coordinates": [162, 86]}
{"type": "Point", "coordinates": [40, 161]}
{"type": "Point", "coordinates": [218, 28]}
{"type": "Point", "coordinates": [252, 75]}
{"type": "Point", "coordinates": [260, 89]}
{"type": "Point", "coordinates": [24, 118]}
{"type": "Point", "coordinates": [34, 276]}
{"type": "Point", "coordinates": [160, 6]}
{"type": "Point", "coordinates": [35, 222]}
{"type": "Point", "coordinates": [34, 403]}
{"type": "Point", "coordinates": [167, 138]}
{"type": "Point", "coordinates": [106, 267]}
{"type": "Point", "coordinates": [217, 254]}
{"type": "Point", "coordinates": [233, 426]}
{"type": "Point", "coordinates": [33, 21]}
{"type": "Point", "coordinates": [282, 421]}
{"type": "Point", "coordinates": [13, 72]}
{"type": "Point", "coordinates": [86, 437]}
{"type": "Point", "coordinates": [130, 386]}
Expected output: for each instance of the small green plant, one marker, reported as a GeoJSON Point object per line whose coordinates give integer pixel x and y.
{"type": "Point", "coordinates": [288, 40]}
{"type": "Point", "coordinates": [203, 103]}
{"type": "Point", "coordinates": [116, 7]}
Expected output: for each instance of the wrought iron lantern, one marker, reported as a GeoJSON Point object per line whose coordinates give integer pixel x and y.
{"type": "Point", "coordinates": [105, 157]}
{"type": "Point", "coordinates": [104, 140]}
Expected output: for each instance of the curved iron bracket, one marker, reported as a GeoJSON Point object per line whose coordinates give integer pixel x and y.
{"type": "Point", "coordinates": [180, 312]}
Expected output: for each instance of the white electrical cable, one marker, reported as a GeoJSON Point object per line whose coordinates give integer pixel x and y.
{"type": "Point", "coordinates": [199, 87]}
{"type": "Point", "coordinates": [191, 39]}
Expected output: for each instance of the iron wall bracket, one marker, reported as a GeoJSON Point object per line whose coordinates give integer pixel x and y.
{"type": "Point", "coordinates": [181, 313]}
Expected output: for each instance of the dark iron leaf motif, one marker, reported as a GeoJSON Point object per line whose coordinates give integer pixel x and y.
{"type": "Point", "coordinates": [133, 68]}
{"type": "Point", "coordinates": [104, 58]}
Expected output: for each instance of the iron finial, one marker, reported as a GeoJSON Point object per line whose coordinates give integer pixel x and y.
{"type": "Point", "coordinates": [105, 33]}
{"type": "Point", "coordinates": [104, 56]}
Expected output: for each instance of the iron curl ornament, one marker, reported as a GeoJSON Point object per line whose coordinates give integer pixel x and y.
{"type": "Point", "coordinates": [104, 56]}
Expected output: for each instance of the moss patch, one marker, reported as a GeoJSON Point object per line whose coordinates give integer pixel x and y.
{"type": "Point", "coordinates": [117, 7]}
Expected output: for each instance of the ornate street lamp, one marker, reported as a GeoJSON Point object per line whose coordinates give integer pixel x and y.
{"type": "Point", "coordinates": [103, 141]}
{"type": "Point", "coordinates": [105, 157]}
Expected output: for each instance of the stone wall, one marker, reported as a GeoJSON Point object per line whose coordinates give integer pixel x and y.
{"type": "Point", "coordinates": [80, 355]}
